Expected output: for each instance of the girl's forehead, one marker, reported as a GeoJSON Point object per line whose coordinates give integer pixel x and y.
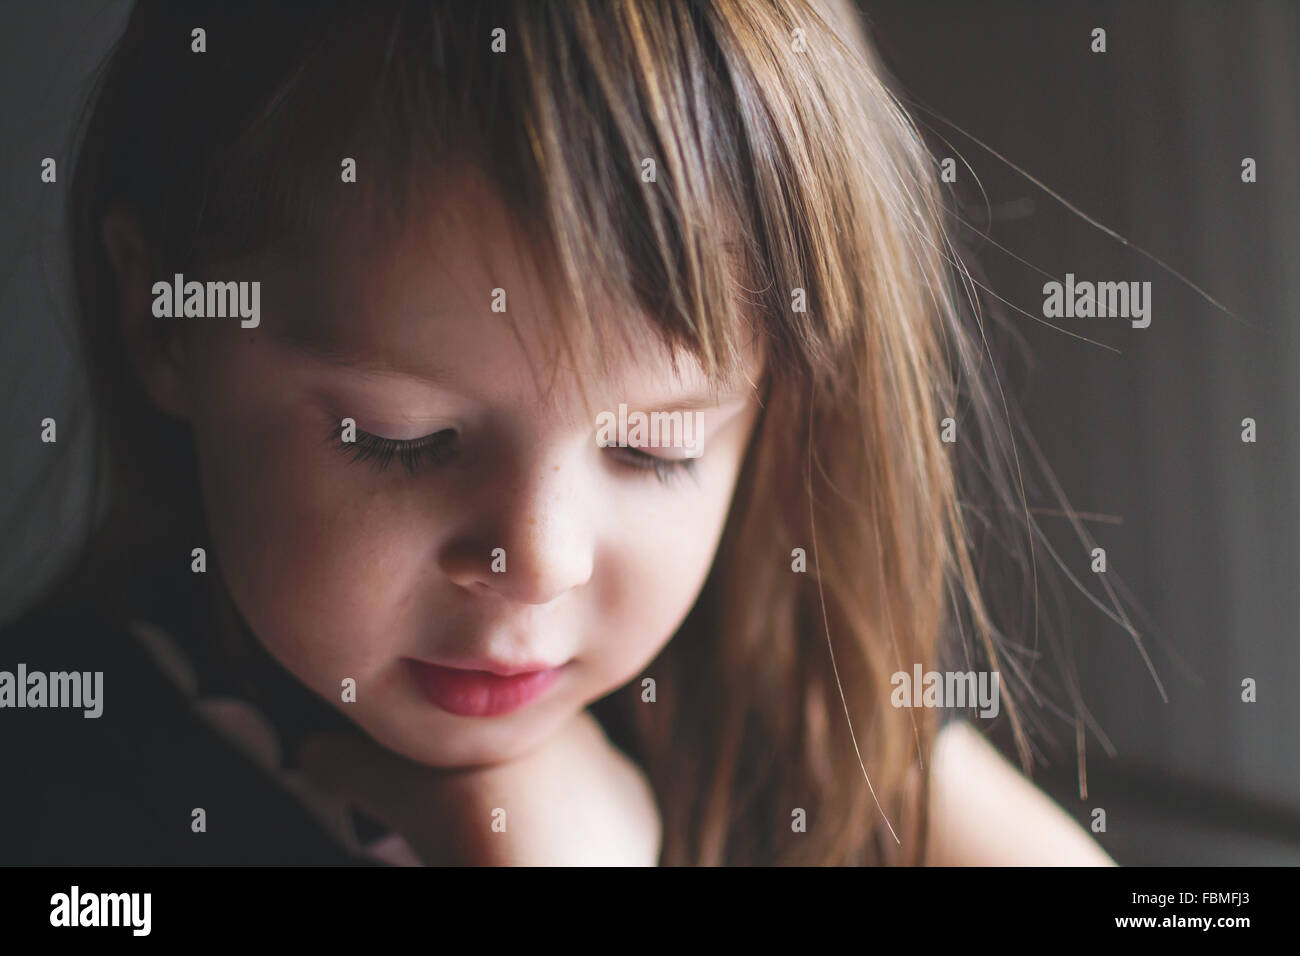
{"type": "Point", "coordinates": [471, 311]}
{"type": "Point", "coordinates": [460, 281]}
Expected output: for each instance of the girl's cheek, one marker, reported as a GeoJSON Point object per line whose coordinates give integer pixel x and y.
{"type": "Point", "coordinates": [306, 540]}
{"type": "Point", "coordinates": [665, 561]}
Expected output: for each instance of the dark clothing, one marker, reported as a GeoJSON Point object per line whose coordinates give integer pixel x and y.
{"type": "Point", "coordinates": [120, 789]}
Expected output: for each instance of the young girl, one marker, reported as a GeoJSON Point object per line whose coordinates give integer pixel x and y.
{"type": "Point", "coordinates": [357, 287]}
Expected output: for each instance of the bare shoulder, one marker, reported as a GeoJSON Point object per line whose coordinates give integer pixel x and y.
{"type": "Point", "coordinates": [985, 812]}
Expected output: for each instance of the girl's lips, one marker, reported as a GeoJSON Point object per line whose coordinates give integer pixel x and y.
{"type": "Point", "coordinates": [469, 693]}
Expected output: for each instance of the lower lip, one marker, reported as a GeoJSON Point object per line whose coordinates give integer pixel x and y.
{"type": "Point", "coordinates": [479, 693]}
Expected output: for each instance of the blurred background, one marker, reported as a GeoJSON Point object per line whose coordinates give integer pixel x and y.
{"type": "Point", "coordinates": [1148, 138]}
{"type": "Point", "coordinates": [1142, 427]}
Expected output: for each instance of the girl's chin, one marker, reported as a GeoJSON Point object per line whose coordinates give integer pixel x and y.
{"type": "Point", "coordinates": [474, 747]}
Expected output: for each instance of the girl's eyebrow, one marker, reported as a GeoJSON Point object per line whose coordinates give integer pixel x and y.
{"type": "Point", "coordinates": [698, 401]}
{"type": "Point", "coordinates": [318, 340]}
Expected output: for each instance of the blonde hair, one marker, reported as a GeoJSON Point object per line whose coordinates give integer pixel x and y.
{"type": "Point", "coordinates": [782, 163]}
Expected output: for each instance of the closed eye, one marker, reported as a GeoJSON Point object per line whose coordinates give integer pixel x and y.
{"type": "Point", "coordinates": [666, 470]}
{"type": "Point", "coordinates": [428, 450]}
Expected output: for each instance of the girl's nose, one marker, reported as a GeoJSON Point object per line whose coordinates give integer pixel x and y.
{"type": "Point", "coordinates": [529, 544]}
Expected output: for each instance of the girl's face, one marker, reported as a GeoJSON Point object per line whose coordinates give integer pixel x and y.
{"type": "Point", "coordinates": [511, 543]}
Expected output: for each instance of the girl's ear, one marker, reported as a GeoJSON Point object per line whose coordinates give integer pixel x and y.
{"type": "Point", "coordinates": [155, 348]}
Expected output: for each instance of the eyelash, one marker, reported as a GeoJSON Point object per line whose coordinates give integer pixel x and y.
{"type": "Point", "coordinates": [667, 471]}
{"type": "Point", "coordinates": [432, 450]}
{"type": "Point", "coordinates": [435, 449]}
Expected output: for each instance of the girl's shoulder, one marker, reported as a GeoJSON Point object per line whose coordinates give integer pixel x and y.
{"type": "Point", "coordinates": [984, 812]}
{"type": "Point", "coordinates": [107, 762]}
